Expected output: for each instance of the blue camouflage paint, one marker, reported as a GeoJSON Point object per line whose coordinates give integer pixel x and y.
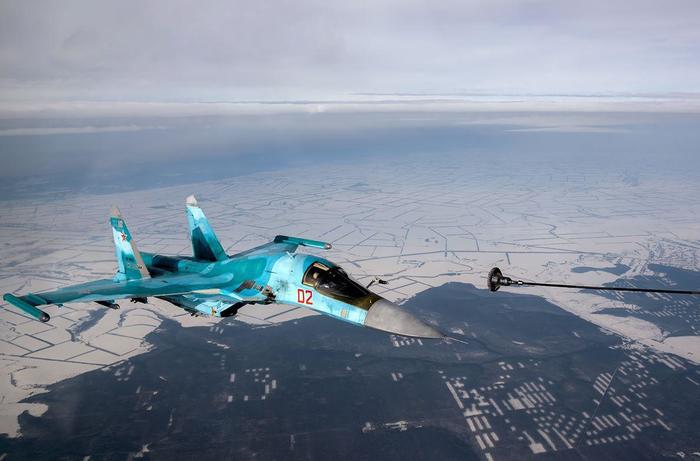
{"type": "Point", "coordinates": [130, 264]}
{"type": "Point", "coordinates": [289, 280]}
{"type": "Point", "coordinates": [205, 245]}
{"type": "Point", "coordinates": [214, 283]}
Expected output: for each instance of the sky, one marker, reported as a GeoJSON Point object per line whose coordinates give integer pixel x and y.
{"type": "Point", "coordinates": [210, 51]}
{"type": "Point", "coordinates": [109, 92]}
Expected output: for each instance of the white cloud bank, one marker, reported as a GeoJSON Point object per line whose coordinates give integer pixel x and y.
{"type": "Point", "coordinates": [219, 51]}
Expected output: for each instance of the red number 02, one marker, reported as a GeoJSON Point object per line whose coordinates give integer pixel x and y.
{"type": "Point", "coordinates": [305, 296]}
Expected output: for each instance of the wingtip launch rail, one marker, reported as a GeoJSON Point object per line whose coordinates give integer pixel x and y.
{"type": "Point", "coordinates": [496, 280]}
{"type": "Point", "coordinates": [27, 307]}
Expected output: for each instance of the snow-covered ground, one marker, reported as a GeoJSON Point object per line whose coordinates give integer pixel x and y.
{"type": "Point", "coordinates": [413, 226]}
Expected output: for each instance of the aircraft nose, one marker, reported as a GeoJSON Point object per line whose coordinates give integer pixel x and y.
{"type": "Point", "coordinates": [387, 316]}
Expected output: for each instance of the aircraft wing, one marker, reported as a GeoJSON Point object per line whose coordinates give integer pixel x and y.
{"type": "Point", "coordinates": [109, 290]}
{"type": "Point", "coordinates": [205, 304]}
{"type": "Point", "coordinates": [283, 244]}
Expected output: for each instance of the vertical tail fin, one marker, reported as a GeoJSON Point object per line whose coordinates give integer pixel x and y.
{"type": "Point", "coordinates": [205, 245]}
{"type": "Point", "coordinates": [131, 264]}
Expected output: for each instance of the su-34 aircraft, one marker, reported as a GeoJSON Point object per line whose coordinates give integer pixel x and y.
{"type": "Point", "coordinates": [214, 283]}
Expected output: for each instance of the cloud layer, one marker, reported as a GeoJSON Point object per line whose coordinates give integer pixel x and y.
{"type": "Point", "coordinates": [214, 51]}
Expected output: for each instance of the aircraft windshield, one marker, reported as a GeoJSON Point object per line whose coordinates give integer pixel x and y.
{"type": "Point", "coordinates": [335, 283]}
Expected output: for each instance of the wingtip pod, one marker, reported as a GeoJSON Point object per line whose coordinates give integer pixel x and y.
{"type": "Point", "coordinates": [26, 307]}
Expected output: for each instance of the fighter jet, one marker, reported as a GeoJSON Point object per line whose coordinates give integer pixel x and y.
{"type": "Point", "coordinates": [213, 283]}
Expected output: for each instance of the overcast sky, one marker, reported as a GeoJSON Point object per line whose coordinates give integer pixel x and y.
{"type": "Point", "coordinates": [280, 50]}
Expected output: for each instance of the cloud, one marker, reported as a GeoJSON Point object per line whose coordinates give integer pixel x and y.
{"type": "Point", "coordinates": [41, 131]}
{"type": "Point", "coordinates": [216, 51]}
{"type": "Point", "coordinates": [401, 105]}
{"type": "Point", "coordinates": [573, 129]}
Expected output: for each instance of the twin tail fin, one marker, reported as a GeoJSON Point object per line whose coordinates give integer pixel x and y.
{"type": "Point", "coordinates": [205, 245]}
{"type": "Point", "coordinates": [130, 262]}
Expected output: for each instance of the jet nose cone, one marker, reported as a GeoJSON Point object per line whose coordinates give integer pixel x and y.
{"type": "Point", "coordinates": [387, 316]}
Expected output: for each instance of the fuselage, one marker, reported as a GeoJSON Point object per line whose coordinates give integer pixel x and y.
{"type": "Point", "coordinates": [210, 282]}
{"type": "Point", "coordinates": [295, 279]}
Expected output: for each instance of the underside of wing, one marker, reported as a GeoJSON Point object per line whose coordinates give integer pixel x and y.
{"type": "Point", "coordinates": [198, 304]}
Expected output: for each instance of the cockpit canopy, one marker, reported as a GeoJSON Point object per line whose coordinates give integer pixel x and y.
{"type": "Point", "coordinates": [335, 283]}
